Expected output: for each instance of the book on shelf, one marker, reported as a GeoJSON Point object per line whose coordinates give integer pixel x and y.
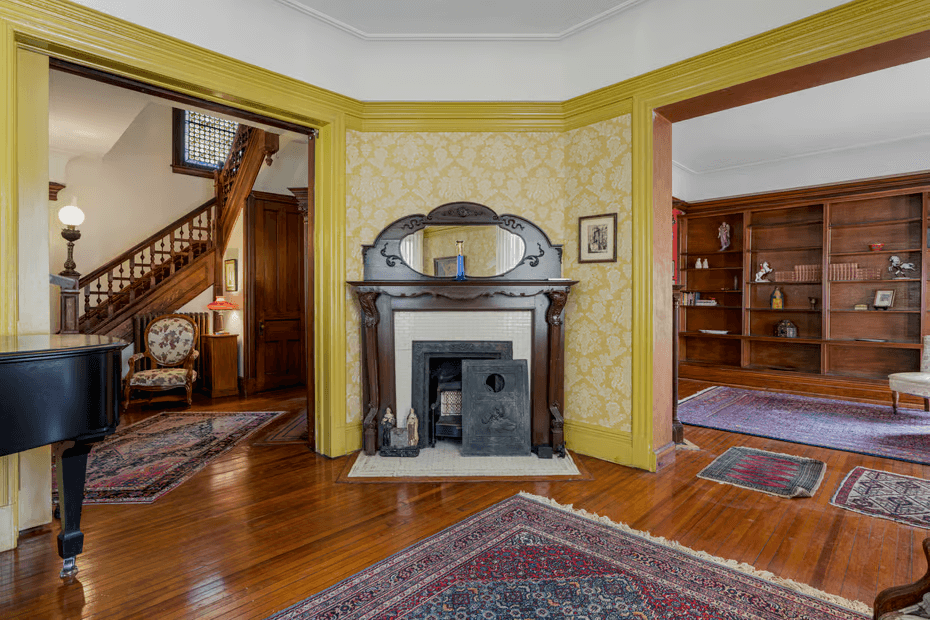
{"type": "Point", "coordinates": [705, 302]}
{"type": "Point", "coordinates": [807, 273]}
{"type": "Point", "coordinates": [843, 271]}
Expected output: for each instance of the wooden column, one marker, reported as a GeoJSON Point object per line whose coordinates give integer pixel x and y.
{"type": "Point", "coordinates": [68, 303]}
{"type": "Point", "coordinates": [554, 317]}
{"type": "Point", "coordinates": [305, 204]}
{"type": "Point", "coordinates": [368, 301]}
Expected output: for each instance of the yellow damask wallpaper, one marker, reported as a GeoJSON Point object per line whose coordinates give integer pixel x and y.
{"type": "Point", "coordinates": [598, 337]}
{"type": "Point", "coordinates": [549, 178]}
{"type": "Point", "coordinates": [390, 175]}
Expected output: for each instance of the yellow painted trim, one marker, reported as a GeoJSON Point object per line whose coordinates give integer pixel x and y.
{"type": "Point", "coordinates": [9, 216]}
{"type": "Point", "coordinates": [602, 443]}
{"type": "Point", "coordinates": [353, 437]}
{"type": "Point", "coordinates": [455, 116]}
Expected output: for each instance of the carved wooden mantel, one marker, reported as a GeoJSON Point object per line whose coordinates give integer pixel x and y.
{"type": "Point", "coordinates": [534, 283]}
{"type": "Point", "coordinates": [544, 298]}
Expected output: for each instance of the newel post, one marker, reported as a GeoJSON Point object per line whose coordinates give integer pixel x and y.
{"type": "Point", "coordinates": [368, 300]}
{"type": "Point", "coordinates": [554, 317]}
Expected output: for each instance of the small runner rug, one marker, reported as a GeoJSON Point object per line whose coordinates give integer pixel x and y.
{"type": "Point", "coordinates": [885, 495]}
{"type": "Point", "coordinates": [823, 422]}
{"type": "Point", "coordinates": [528, 557]}
{"type": "Point", "coordinates": [140, 463]}
{"type": "Point", "coordinates": [782, 475]}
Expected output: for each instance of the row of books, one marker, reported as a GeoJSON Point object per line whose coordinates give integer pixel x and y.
{"type": "Point", "coordinates": [852, 271]}
{"type": "Point", "coordinates": [694, 299]}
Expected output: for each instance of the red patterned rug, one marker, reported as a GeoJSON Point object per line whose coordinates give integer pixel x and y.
{"type": "Point", "coordinates": [769, 472]}
{"type": "Point", "coordinates": [527, 557]}
{"type": "Point", "coordinates": [823, 422]}
{"type": "Point", "coordinates": [140, 463]}
{"type": "Point", "coordinates": [897, 497]}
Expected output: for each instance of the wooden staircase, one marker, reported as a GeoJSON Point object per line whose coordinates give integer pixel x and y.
{"type": "Point", "coordinates": [180, 261]}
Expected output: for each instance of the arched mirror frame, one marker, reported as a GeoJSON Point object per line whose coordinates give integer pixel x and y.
{"type": "Point", "coordinates": [542, 260]}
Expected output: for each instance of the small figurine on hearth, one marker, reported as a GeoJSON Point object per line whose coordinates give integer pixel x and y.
{"type": "Point", "coordinates": [387, 423]}
{"type": "Point", "coordinates": [413, 425]}
{"type": "Point", "coordinates": [764, 270]}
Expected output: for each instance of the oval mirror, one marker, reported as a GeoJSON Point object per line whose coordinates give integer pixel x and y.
{"type": "Point", "coordinates": [488, 250]}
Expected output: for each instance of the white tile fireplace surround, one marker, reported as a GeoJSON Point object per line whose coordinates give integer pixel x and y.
{"type": "Point", "coordinates": [507, 325]}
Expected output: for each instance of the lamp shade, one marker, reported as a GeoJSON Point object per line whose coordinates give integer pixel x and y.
{"type": "Point", "coordinates": [221, 304]}
{"type": "Point", "coordinates": [71, 215]}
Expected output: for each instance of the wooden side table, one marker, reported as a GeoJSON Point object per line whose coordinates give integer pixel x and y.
{"type": "Point", "coordinates": [221, 365]}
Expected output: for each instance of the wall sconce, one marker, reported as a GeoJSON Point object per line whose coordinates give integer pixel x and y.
{"type": "Point", "coordinates": [72, 217]}
{"type": "Point", "coordinates": [220, 306]}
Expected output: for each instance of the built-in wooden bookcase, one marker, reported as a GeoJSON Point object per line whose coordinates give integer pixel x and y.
{"type": "Point", "coordinates": [817, 244]}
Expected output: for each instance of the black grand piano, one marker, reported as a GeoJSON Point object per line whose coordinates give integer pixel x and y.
{"type": "Point", "coordinates": [61, 390]}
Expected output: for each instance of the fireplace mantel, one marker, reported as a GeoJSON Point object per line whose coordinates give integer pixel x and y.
{"type": "Point", "coordinates": [546, 300]}
{"type": "Point", "coordinates": [533, 283]}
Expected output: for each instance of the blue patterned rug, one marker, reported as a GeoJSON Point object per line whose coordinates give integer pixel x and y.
{"type": "Point", "coordinates": [824, 422]}
{"type": "Point", "coordinates": [529, 558]}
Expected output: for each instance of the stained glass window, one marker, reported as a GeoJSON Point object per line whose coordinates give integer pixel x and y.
{"type": "Point", "coordinates": [206, 139]}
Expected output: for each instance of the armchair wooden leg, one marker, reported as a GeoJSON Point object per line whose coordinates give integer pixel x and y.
{"type": "Point", "coordinates": [127, 389]}
{"type": "Point", "coordinates": [894, 401]}
{"type": "Point", "coordinates": [190, 392]}
{"type": "Point", "coordinates": [926, 404]}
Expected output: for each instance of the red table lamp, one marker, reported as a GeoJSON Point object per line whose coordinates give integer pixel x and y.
{"type": "Point", "coordinates": [219, 306]}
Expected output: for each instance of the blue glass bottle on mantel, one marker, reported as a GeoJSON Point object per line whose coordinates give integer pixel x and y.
{"type": "Point", "coordinates": [459, 261]}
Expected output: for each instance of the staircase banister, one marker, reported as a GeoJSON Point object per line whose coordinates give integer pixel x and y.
{"type": "Point", "coordinates": [102, 270]}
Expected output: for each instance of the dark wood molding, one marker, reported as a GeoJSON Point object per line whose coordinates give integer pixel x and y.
{"type": "Point", "coordinates": [874, 58]}
{"type": "Point", "coordinates": [191, 171]}
{"type": "Point", "coordinates": [900, 597]}
{"type": "Point", "coordinates": [917, 182]}
{"type": "Point", "coordinates": [53, 189]}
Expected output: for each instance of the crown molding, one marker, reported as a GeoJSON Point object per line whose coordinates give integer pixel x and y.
{"type": "Point", "coordinates": [452, 36]}
{"type": "Point", "coordinates": [457, 116]}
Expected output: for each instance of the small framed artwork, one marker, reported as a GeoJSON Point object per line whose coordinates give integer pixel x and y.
{"type": "Point", "coordinates": [883, 299]}
{"type": "Point", "coordinates": [231, 274]}
{"type": "Point", "coordinates": [445, 267]}
{"type": "Point", "coordinates": [597, 238]}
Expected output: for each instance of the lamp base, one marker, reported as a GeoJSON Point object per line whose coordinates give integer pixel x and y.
{"type": "Point", "coordinates": [218, 326]}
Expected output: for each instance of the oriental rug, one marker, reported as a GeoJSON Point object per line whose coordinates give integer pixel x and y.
{"type": "Point", "coordinates": [140, 463]}
{"type": "Point", "coordinates": [528, 557]}
{"type": "Point", "coordinates": [827, 423]}
{"type": "Point", "coordinates": [293, 431]}
{"type": "Point", "coordinates": [777, 474]}
{"type": "Point", "coordinates": [882, 494]}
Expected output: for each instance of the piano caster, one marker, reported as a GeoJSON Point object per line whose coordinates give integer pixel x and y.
{"type": "Point", "coordinates": [69, 569]}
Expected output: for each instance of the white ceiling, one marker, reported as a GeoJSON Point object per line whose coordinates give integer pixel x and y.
{"type": "Point", "coordinates": [870, 109]}
{"type": "Point", "coordinates": [541, 20]}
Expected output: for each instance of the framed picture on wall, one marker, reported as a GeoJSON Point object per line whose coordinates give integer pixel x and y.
{"type": "Point", "coordinates": [231, 274]}
{"type": "Point", "coordinates": [445, 266]}
{"type": "Point", "coordinates": [597, 238]}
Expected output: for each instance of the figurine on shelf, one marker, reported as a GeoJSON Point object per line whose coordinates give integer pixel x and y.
{"type": "Point", "coordinates": [899, 268]}
{"type": "Point", "coordinates": [813, 302]}
{"type": "Point", "coordinates": [705, 266]}
{"type": "Point", "coordinates": [764, 270]}
{"type": "Point", "coordinates": [723, 233]}
{"type": "Point", "coordinates": [697, 264]}
{"type": "Point", "coordinates": [777, 300]}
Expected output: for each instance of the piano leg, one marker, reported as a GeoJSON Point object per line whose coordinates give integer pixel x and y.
{"type": "Point", "coordinates": [70, 472]}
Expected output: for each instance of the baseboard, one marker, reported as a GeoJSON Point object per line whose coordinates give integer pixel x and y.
{"type": "Point", "coordinates": [665, 456]}
{"type": "Point", "coordinates": [353, 437]}
{"type": "Point", "coordinates": [601, 443]}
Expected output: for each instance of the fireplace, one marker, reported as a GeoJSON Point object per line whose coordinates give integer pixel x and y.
{"type": "Point", "coordinates": [437, 367]}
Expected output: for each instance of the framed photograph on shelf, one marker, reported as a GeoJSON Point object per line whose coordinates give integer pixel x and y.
{"type": "Point", "coordinates": [883, 300]}
{"type": "Point", "coordinates": [231, 274]}
{"type": "Point", "coordinates": [445, 266]}
{"type": "Point", "coordinates": [597, 238]}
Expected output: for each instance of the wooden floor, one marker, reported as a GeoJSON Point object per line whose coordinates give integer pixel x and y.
{"type": "Point", "coordinates": [263, 527]}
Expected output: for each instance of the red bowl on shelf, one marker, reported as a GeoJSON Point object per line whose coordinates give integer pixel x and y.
{"type": "Point", "coordinates": [875, 247]}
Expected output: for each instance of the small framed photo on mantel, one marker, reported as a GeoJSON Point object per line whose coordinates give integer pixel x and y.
{"type": "Point", "coordinates": [597, 238]}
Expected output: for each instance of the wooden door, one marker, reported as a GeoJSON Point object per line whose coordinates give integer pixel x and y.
{"type": "Point", "coordinates": [275, 240]}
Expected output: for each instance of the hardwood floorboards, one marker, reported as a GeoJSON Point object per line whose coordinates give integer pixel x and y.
{"type": "Point", "coordinates": [263, 527]}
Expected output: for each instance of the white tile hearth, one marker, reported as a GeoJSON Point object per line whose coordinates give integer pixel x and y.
{"type": "Point", "coordinates": [446, 460]}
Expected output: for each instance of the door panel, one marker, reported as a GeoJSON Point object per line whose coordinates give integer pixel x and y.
{"type": "Point", "coordinates": [278, 293]}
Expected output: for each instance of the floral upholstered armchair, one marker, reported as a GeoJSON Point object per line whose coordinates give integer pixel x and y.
{"type": "Point", "coordinates": [170, 345]}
